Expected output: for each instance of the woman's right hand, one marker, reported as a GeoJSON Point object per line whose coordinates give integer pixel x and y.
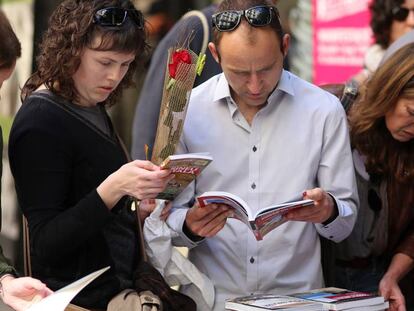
{"type": "Point", "coordinates": [139, 179]}
{"type": "Point", "coordinates": [389, 289]}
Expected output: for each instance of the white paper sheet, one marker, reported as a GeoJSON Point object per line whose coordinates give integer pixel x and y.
{"type": "Point", "coordinates": [60, 299]}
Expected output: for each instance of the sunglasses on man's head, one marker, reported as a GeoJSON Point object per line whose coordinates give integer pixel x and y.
{"type": "Point", "coordinates": [400, 13]}
{"type": "Point", "coordinates": [257, 16]}
{"type": "Point", "coordinates": [115, 17]}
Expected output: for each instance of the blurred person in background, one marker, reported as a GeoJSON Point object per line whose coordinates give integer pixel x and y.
{"type": "Point", "coordinates": [390, 19]}
{"type": "Point", "coordinates": [20, 16]}
{"type": "Point", "coordinates": [16, 292]}
{"type": "Point", "coordinates": [148, 107]}
{"type": "Point", "coordinates": [160, 17]}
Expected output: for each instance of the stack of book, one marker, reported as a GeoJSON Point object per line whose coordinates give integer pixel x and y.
{"type": "Point", "coordinates": [271, 302]}
{"type": "Point", "coordinates": [330, 298]}
{"type": "Point", "coordinates": [342, 299]}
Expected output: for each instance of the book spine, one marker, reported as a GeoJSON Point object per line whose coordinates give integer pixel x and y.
{"type": "Point", "coordinates": [256, 231]}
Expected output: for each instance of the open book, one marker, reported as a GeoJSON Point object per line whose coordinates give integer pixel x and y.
{"type": "Point", "coordinates": [261, 222]}
{"type": "Point", "coordinates": [186, 167]}
{"type": "Point", "coordinates": [59, 300]}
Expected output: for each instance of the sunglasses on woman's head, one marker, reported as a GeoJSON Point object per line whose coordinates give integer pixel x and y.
{"type": "Point", "coordinates": [257, 16]}
{"type": "Point", "coordinates": [115, 17]}
{"type": "Point", "coordinates": [400, 13]}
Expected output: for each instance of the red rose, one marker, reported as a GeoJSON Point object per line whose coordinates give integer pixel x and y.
{"type": "Point", "coordinates": [178, 57]}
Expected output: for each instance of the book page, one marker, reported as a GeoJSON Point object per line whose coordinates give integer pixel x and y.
{"type": "Point", "coordinates": [60, 299]}
{"type": "Point", "coordinates": [241, 209]}
{"type": "Point", "coordinates": [283, 208]}
{"type": "Point", "coordinates": [186, 156]}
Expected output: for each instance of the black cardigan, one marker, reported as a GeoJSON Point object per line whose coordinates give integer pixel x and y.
{"type": "Point", "coordinates": [58, 159]}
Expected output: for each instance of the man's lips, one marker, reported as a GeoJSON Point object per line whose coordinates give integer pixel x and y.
{"type": "Point", "coordinates": [254, 95]}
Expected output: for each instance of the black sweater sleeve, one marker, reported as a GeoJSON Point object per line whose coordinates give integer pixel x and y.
{"type": "Point", "coordinates": [42, 160]}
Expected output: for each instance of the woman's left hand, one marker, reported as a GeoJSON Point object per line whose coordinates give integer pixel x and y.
{"type": "Point", "coordinates": [147, 207]}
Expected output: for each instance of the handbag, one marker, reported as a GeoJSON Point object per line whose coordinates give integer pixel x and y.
{"type": "Point", "coordinates": [129, 299]}
{"type": "Point", "coordinates": [151, 292]}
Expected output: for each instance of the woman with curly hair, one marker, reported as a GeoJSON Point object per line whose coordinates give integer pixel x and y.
{"type": "Point", "coordinates": [72, 176]}
{"type": "Point", "coordinates": [379, 253]}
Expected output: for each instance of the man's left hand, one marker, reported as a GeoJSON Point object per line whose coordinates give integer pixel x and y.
{"type": "Point", "coordinates": [320, 212]}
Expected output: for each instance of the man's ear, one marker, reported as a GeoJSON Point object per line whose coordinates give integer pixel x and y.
{"type": "Point", "coordinates": [213, 49]}
{"type": "Point", "coordinates": [285, 44]}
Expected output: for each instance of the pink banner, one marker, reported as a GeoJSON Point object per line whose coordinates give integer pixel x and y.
{"type": "Point", "coordinates": [341, 36]}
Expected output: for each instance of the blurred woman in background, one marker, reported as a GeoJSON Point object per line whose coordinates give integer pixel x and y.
{"type": "Point", "coordinates": [18, 293]}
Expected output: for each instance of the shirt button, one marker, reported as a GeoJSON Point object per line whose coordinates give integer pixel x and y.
{"type": "Point", "coordinates": [253, 186]}
{"type": "Point", "coordinates": [331, 236]}
{"type": "Point", "coordinates": [251, 260]}
{"type": "Point", "coordinates": [254, 149]}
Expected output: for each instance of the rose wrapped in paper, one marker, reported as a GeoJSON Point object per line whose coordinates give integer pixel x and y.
{"type": "Point", "coordinates": [182, 67]}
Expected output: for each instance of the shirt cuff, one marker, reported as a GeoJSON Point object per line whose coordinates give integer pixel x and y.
{"type": "Point", "coordinates": [335, 212]}
{"type": "Point", "coordinates": [340, 227]}
{"type": "Point", "coordinates": [176, 222]}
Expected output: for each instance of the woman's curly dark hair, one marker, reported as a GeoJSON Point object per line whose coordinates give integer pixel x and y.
{"type": "Point", "coordinates": [71, 29]}
{"type": "Point", "coordinates": [381, 20]}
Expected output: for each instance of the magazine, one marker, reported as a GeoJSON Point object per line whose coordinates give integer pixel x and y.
{"type": "Point", "coordinates": [271, 302]}
{"type": "Point", "coordinates": [59, 300]}
{"type": "Point", "coordinates": [339, 299]}
{"type": "Point", "coordinates": [186, 167]}
{"type": "Point", "coordinates": [261, 222]}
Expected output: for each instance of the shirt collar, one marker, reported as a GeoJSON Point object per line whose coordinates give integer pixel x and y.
{"type": "Point", "coordinates": [285, 85]}
{"type": "Point", "coordinates": [222, 89]}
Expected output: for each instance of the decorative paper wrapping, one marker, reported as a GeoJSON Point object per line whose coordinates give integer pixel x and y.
{"type": "Point", "coordinates": [178, 82]}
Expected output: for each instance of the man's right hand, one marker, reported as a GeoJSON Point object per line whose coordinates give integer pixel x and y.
{"type": "Point", "coordinates": [208, 220]}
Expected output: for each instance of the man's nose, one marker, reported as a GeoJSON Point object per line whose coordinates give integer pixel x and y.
{"type": "Point", "coordinates": [255, 84]}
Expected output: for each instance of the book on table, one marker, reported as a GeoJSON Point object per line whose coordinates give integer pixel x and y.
{"type": "Point", "coordinates": [340, 299]}
{"type": "Point", "coordinates": [379, 307]}
{"type": "Point", "coordinates": [185, 167]}
{"type": "Point", "coordinates": [271, 302]}
{"type": "Point", "coordinates": [261, 222]}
